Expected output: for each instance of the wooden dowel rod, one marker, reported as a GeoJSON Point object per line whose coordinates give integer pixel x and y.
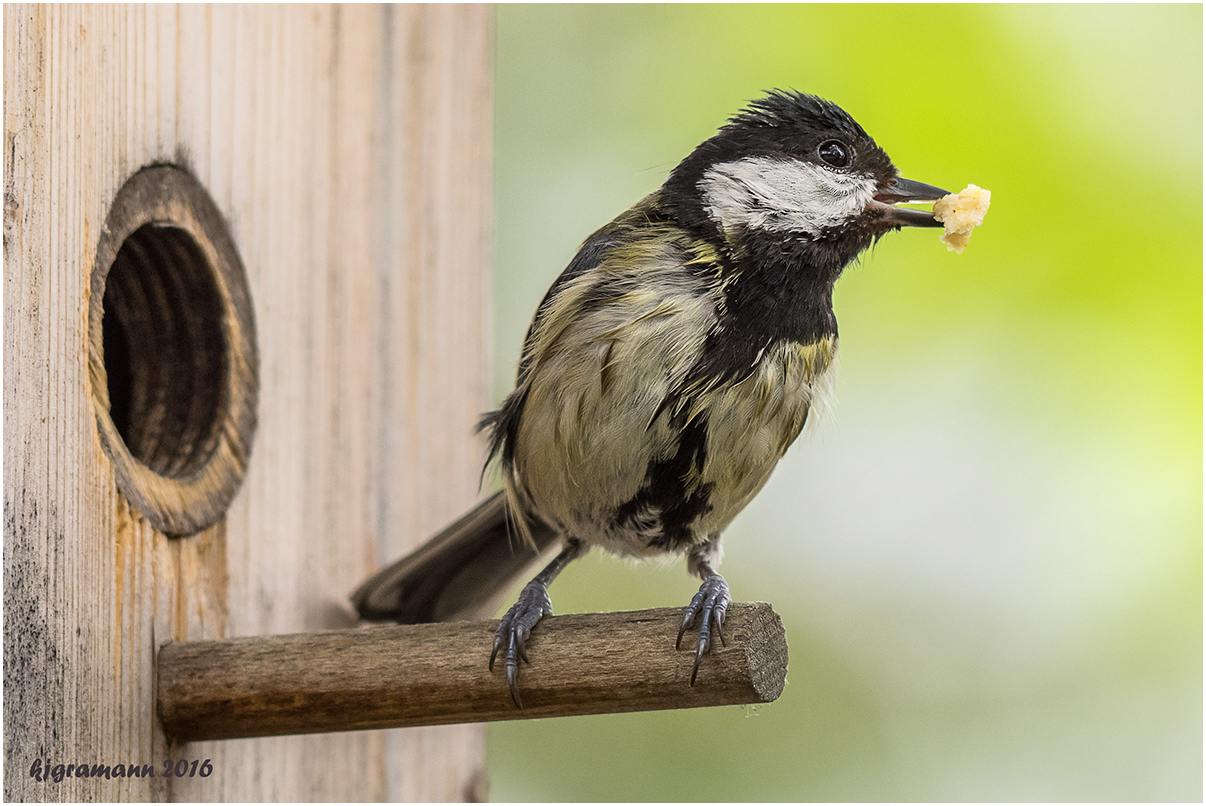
{"type": "Point", "coordinates": [435, 674]}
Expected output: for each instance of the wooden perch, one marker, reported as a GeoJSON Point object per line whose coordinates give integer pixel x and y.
{"type": "Point", "coordinates": [434, 674]}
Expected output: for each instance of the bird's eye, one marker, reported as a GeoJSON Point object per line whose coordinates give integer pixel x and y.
{"type": "Point", "coordinates": [834, 153]}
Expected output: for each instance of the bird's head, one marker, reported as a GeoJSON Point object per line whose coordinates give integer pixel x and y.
{"type": "Point", "coordinates": [795, 167]}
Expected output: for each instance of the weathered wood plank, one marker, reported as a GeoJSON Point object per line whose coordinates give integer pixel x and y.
{"type": "Point", "coordinates": [431, 674]}
{"type": "Point", "coordinates": [348, 148]}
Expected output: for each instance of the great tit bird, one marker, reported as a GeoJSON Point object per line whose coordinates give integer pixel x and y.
{"type": "Point", "coordinates": [667, 370]}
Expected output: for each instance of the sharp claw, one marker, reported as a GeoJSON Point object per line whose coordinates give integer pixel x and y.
{"type": "Point", "coordinates": [698, 657]}
{"type": "Point", "coordinates": [494, 652]}
{"type": "Point", "coordinates": [701, 649]}
{"type": "Point", "coordinates": [687, 619]}
{"type": "Point", "coordinates": [512, 675]}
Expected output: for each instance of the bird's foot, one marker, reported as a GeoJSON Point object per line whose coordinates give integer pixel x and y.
{"type": "Point", "coordinates": [709, 606]}
{"type": "Point", "coordinates": [516, 626]}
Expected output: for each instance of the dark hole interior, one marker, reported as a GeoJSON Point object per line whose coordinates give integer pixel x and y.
{"type": "Point", "coordinates": [165, 351]}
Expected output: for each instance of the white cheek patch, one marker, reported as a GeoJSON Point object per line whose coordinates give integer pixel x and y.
{"type": "Point", "coordinates": [782, 195]}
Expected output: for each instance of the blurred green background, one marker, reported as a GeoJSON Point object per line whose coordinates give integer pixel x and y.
{"type": "Point", "coordinates": [989, 557]}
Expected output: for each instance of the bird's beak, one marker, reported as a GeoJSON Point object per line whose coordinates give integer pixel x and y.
{"type": "Point", "coordinates": [906, 190]}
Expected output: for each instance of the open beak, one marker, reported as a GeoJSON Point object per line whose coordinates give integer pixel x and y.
{"type": "Point", "coordinates": [906, 190]}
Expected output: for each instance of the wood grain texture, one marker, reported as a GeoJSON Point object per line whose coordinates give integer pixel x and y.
{"type": "Point", "coordinates": [348, 148]}
{"type": "Point", "coordinates": [433, 674]}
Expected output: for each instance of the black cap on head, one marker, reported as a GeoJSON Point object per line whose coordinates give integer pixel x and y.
{"type": "Point", "coordinates": [791, 110]}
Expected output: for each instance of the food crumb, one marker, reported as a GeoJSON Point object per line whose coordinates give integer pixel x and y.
{"type": "Point", "coordinates": [961, 213]}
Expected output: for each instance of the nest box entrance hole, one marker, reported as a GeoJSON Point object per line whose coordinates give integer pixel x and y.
{"type": "Point", "coordinates": [172, 351]}
{"type": "Point", "coordinates": [165, 356]}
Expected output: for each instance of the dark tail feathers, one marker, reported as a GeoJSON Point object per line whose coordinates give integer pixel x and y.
{"type": "Point", "coordinates": [459, 574]}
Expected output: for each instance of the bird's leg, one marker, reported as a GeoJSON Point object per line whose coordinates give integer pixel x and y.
{"type": "Point", "coordinates": [533, 604]}
{"type": "Point", "coordinates": [709, 605]}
